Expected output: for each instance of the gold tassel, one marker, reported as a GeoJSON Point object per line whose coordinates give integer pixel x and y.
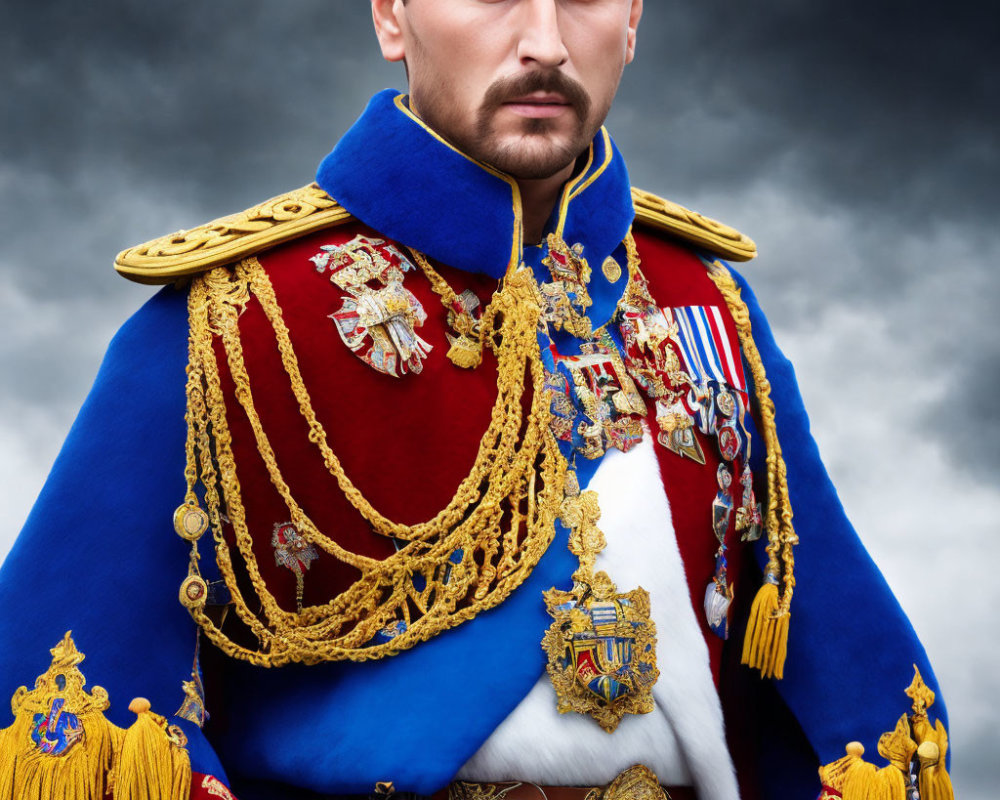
{"type": "Point", "coordinates": [7, 763]}
{"type": "Point", "coordinates": [935, 783]}
{"type": "Point", "coordinates": [766, 642]}
{"type": "Point", "coordinates": [856, 779]}
{"type": "Point", "coordinates": [859, 783]}
{"type": "Point", "coordinates": [152, 764]}
{"type": "Point", "coordinates": [835, 774]}
{"type": "Point", "coordinates": [465, 352]}
{"type": "Point", "coordinates": [890, 784]}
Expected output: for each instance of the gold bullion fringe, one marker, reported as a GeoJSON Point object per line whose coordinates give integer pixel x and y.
{"type": "Point", "coordinates": [149, 766]}
{"type": "Point", "coordinates": [81, 774]}
{"type": "Point", "coordinates": [765, 645]}
{"type": "Point", "coordinates": [471, 555]}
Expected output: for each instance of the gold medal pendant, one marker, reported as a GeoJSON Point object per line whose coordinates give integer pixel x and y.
{"type": "Point", "coordinates": [601, 645]}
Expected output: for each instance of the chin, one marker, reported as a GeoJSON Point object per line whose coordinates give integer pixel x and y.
{"type": "Point", "coordinates": [533, 157]}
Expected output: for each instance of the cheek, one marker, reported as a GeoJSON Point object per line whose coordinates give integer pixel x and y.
{"type": "Point", "coordinates": [454, 61]}
{"type": "Point", "coordinates": [599, 44]}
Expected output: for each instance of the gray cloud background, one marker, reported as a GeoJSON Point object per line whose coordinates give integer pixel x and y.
{"type": "Point", "coordinates": [857, 146]}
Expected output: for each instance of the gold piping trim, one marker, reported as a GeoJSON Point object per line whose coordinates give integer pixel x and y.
{"type": "Point", "coordinates": [582, 181]}
{"type": "Point", "coordinates": [692, 227]}
{"type": "Point", "coordinates": [567, 193]}
{"type": "Point", "coordinates": [608, 152]}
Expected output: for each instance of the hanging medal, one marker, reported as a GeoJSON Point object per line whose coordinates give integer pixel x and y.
{"type": "Point", "coordinates": [294, 553]}
{"type": "Point", "coordinates": [683, 360]}
{"type": "Point", "coordinates": [749, 518]}
{"type": "Point", "coordinates": [718, 593]}
{"type": "Point", "coordinates": [601, 645]}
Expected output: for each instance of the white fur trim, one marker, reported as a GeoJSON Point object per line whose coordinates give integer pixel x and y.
{"type": "Point", "coordinates": [682, 741]}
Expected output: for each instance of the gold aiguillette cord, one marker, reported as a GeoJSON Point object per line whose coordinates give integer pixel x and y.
{"type": "Point", "coordinates": [471, 555]}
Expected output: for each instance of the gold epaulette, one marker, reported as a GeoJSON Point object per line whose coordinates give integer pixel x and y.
{"type": "Point", "coordinates": [309, 208]}
{"type": "Point", "coordinates": [231, 238]}
{"type": "Point", "coordinates": [692, 227]}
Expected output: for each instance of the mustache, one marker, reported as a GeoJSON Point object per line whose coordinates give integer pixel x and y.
{"type": "Point", "coordinates": [504, 90]}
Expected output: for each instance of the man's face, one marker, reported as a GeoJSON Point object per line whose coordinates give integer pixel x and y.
{"type": "Point", "coordinates": [522, 85]}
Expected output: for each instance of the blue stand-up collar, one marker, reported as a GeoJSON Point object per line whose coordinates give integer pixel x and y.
{"type": "Point", "coordinates": [399, 177]}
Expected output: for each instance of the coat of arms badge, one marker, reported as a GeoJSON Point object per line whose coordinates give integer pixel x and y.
{"type": "Point", "coordinates": [601, 645]}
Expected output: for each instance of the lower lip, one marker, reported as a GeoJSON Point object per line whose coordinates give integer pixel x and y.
{"type": "Point", "coordinates": [537, 110]}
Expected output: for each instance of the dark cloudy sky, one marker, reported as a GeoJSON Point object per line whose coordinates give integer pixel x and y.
{"type": "Point", "coordinates": [857, 144]}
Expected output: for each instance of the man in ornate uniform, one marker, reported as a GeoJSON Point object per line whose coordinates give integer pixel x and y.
{"type": "Point", "coordinates": [483, 465]}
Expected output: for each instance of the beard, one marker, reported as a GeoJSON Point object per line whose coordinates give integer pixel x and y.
{"type": "Point", "coordinates": [535, 149]}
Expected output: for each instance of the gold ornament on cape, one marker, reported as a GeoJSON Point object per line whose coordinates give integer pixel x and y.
{"type": "Point", "coordinates": [61, 745]}
{"type": "Point", "coordinates": [601, 645]}
{"type": "Point", "coordinates": [853, 778]}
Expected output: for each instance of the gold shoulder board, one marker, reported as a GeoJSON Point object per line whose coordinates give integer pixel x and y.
{"type": "Point", "coordinates": [692, 227]}
{"type": "Point", "coordinates": [231, 238]}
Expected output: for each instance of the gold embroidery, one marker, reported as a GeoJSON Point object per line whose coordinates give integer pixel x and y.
{"type": "Point", "coordinates": [378, 318]}
{"type": "Point", "coordinates": [606, 394]}
{"type": "Point", "coordinates": [470, 556]}
{"type": "Point", "coordinates": [636, 783]}
{"type": "Point", "coordinates": [228, 239]}
{"type": "Point", "coordinates": [570, 275]}
{"type": "Point", "coordinates": [61, 744]}
{"type": "Point", "coordinates": [214, 787]}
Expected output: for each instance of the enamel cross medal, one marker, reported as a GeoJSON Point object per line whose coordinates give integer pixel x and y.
{"type": "Point", "coordinates": [379, 316]}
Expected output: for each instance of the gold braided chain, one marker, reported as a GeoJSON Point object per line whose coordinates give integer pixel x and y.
{"type": "Point", "coordinates": [471, 555]}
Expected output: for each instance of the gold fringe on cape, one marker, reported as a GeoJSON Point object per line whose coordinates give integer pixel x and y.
{"type": "Point", "coordinates": [61, 747]}
{"type": "Point", "coordinates": [853, 778]}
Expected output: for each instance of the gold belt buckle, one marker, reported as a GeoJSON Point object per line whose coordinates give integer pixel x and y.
{"type": "Point", "coordinates": [636, 783]}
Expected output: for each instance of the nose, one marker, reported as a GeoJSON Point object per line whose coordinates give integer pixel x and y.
{"type": "Point", "coordinates": [541, 41]}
